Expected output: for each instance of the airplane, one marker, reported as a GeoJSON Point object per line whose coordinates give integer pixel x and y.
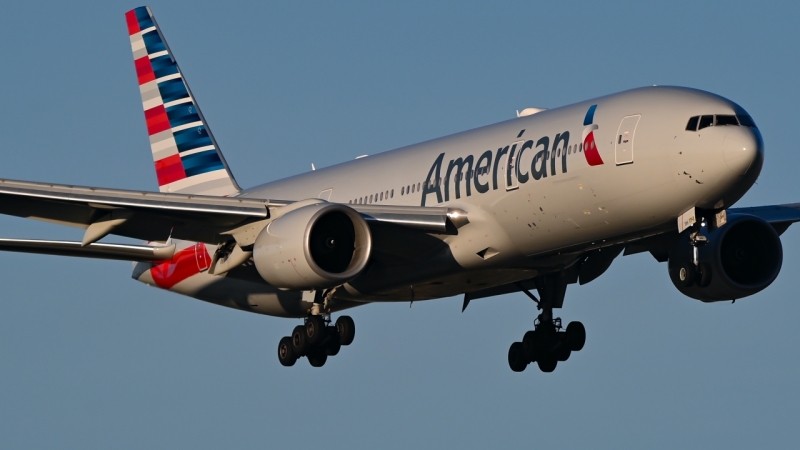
{"type": "Point", "coordinates": [535, 203]}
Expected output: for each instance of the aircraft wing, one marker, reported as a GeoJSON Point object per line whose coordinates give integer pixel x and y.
{"type": "Point", "coordinates": [779, 216]}
{"type": "Point", "coordinates": [155, 216]}
{"type": "Point", "coordinates": [149, 216]}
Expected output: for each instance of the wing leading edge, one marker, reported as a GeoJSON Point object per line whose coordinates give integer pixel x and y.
{"type": "Point", "coordinates": [156, 216]}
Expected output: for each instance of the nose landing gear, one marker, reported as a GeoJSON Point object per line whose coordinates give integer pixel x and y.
{"type": "Point", "coordinates": [316, 340]}
{"type": "Point", "coordinates": [548, 343]}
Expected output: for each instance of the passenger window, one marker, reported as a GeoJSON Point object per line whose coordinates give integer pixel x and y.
{"type": "Point", "coordinates": [706, 121]}
{"type": "Point", "coordinates": [692, 125]}
{"type": "Point", "coordinates": [381, 195]}
{"type": "Point", "coordinates": [746, 121]}
{"type": "Point", "coordinates": [727, 120]}
{"type": "Point", "coordinates": [392, 196]}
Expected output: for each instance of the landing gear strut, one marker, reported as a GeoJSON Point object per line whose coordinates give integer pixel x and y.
{"type": "Point", "coordinates": [316, 340]}
{"type": "Point", "coordinates": [548, 343]}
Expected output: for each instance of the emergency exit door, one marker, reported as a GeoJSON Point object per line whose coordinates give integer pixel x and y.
{"type": "Point", "coordinates": [624, 143]}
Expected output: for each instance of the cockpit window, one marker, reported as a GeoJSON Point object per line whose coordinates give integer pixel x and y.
{"type": "Point", "coordinates": [746, 121]}
{"type": "Point", "coordinates": [697, 123]}
{"type": "Point", "coordinates": [706, 121]}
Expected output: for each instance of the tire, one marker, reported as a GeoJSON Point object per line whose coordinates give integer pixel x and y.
{"type": "Point", "coordinates": [347, 329]}
{"type": "Point", "coordinates": [547, 363]}
{"type": "Point", "coordinates": [546, 338]}
{"type": "Point", "coordinates": [298, 340]}
{"type": "Point", "coordinates": [286, 354]}
{"type": "Point", "coordinates": [529, 346]}
{"type": "Point", "coordinates": [333, 344]}
{"type": "Point", "coordinates": [315, 330]}
{"type": "Point", "coordinates": [317, 357]}
{"type": "Point", "coordinates": [687, 273]}
{"type": "Point", "coordinates": [704, 277]}
{"type": "Point", "coordinates": [563, 349]}
{"type": "Point", "coordinates": [516, 357]}
{"type": "Point", "coordinates": [576, 336]}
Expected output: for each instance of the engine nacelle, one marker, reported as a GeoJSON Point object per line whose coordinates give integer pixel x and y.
{"type": "Point", "coordinates": [313, 247]}
{"type": "Point", "coordinates": [741, 258]}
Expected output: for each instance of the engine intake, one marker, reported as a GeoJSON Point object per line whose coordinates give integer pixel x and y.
{"type": "Point", "coordinates": [741, 258]}
{"type": "Point", "coordinates": [313, 247]}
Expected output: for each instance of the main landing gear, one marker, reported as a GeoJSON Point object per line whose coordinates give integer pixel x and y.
{"type": "Point", "coordinates": [547, 344]}
{"type": "Point", "coordinates": [316, 340]}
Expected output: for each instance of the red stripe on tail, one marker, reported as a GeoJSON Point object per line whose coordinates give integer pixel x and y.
{"type": "Point", "coordinates": [169, 169]}
{"type": "Point", "coordinates": [133, 22]}
{"type": "Point", "coordinates": [144, 70]}
{"type": "Point", "coordinates": [157, 120]}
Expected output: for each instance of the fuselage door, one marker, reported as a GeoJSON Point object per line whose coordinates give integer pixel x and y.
{"type": "Point", "coordinates": [510, 161]}
{"type": "Point", "coordinates": [625, 135]}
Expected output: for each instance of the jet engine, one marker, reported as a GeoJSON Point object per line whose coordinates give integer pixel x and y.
{"type": "Point", "coordinates": [313, 247]}
{"type": "Point", "coordinates": [738, 259]}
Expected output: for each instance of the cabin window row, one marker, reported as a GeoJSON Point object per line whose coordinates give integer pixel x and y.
{"type": "Point", "coordinates": [414, 188]}
{"type": "Point", "coordinates": [366, 200]}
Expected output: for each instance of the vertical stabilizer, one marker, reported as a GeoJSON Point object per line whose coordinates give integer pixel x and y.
{"type": "Point", "coordinates": [186, 155]}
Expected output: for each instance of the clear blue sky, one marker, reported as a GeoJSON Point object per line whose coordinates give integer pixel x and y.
{"type": "Point", "coordinates": [91, 359]}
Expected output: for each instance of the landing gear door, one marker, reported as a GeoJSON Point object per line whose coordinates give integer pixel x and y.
{"type": "Point", "coordinates": [624, 142]}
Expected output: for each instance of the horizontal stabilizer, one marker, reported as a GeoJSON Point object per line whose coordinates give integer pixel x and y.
{"type": "Point", "coordinates": [121, 252]}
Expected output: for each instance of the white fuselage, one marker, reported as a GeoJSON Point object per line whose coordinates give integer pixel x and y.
{"type": "Point", "coordinates": [548, 199]}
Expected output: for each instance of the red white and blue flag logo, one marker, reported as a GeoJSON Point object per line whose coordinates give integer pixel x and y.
{"type": "Point", "coordinates": [589, 144]}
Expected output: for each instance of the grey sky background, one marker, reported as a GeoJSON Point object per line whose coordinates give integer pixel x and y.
{"type": "Point", "coordinates": [92, 359]}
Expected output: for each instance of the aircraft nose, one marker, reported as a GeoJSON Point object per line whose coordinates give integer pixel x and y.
{"type": "Point", "coordinates": [742, 147]}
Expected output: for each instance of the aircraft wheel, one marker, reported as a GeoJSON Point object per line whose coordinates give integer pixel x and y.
{"type": "Point", "coordinates": [704, 276]}
{"type": "Point", "coordinates": [317, 357]}
{"type": "Point", "coordinates": [529, 345]}
{"type": "Point", "coordinates": [547, 363]}
{"type": "Point", "coordinates": [687, 273]}
{"type": "Point", "coordinates": [546, 338]}
{"type": "Point", "coordinates": [516, 357]}
{"type": "Point", "coordinates": [576, 336]}
{"type": "Point", "coordinates": [347, 329]}
{"type": "Point", "coordinates": [334, 343]}
{"type": "Point", "coordinates": [562, 350]}
{"type": "Point", "coordinates": [286, 354]}
{"type": "Point", "coordinates": [298, 341]}
{"type": "Point", "coordinates": [315, 330]}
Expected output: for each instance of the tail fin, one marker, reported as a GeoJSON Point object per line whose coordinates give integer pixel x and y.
{"type": "Point", "coordinates": [187, 158]}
